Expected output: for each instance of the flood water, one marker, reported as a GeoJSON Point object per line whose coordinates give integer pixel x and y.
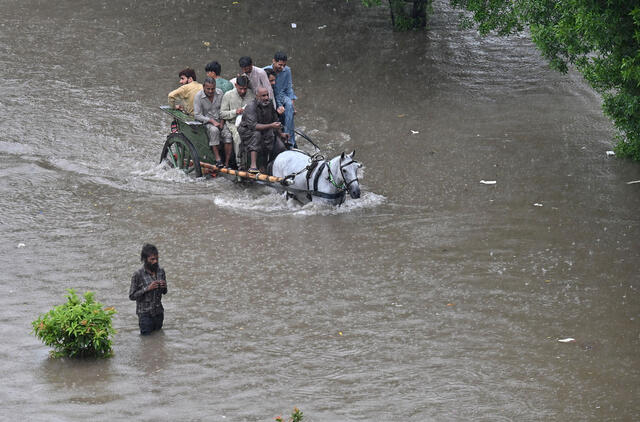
{"type": "Point", "coordinates": [434, 297]}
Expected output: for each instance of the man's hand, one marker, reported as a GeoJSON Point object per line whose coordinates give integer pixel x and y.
{"type": "Point", "coordinates": [240, 110]}
{"type": "Point", "coordinates": [280, 109]}
{"type": "Point", "coordinates": [216, 123]}
{"type": "Point", "coordinates": [179, 107]}
{"type": "Point", "coordinates": [157, 284]}
{"type": "Point", "coordinates": [285, 136]}
{"type": "Point", "coordinates": [275, 125]}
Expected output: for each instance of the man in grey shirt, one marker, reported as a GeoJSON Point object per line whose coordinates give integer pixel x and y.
{"type": "Point", "coordinates": [231, 110]}
{"type": "Point", "coordinates": [206, 109]}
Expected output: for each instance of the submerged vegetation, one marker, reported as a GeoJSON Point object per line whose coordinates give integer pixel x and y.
{"type": "Point", "coordinates": [406, 14]}
{"type": "Point", "coordinates": [600, 38]}
{"type": "Point", "coordinates": [76, 328]}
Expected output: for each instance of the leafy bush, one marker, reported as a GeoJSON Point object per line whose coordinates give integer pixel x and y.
{"type": "Point", "coordinates": [77, 329]}
{"type": "Point", "coordinates": [296, 416]}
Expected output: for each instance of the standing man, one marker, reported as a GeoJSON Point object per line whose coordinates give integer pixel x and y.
{"type": "Point", "coordinates": [257, 76]}
{"type": "Point", "coordinates": [283, 92]}
{"type": "Point", "coordinates": [260, 130]}
{"type": "Point", "coordinates": [184, 95]}
{"type": "Point", "coordinates": [207, 110]}
{"type": "Point", "coordinates": [213, 70]}
{"type": "Point", "coordinates": [233, 103]}
{"type": "Point", "coordinates": [148, 284]}
{"type": "Point", "coordinates": [271, 74]}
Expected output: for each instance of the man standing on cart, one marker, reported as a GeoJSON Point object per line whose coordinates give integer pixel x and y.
{"type": "Point", "coordinates": [261, 131]}
{"type": "Point", "coordinates": [206, 106]}
{"type": "Point", "coordinates": [257, 76]}
{"type": "Point", "coordinates": [283, 92]}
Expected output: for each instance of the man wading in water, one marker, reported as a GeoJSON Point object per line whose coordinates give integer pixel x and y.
{"type": "Point", "coordinates": [148, 284]}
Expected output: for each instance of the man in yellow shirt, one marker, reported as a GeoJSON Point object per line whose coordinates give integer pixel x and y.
{"type": "Point", "coordinates": [182, 98]}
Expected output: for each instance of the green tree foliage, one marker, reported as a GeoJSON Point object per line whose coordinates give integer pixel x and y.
{"type": "Point", "coordinates": [77, 329]}
{"type": "Point", "coordinates": [601, 38]}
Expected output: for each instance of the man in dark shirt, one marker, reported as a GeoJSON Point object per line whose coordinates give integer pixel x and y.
{"type": "Point", "coordinates": [148, 284]}
{"type": "Point", "coordinates": [259, 128]}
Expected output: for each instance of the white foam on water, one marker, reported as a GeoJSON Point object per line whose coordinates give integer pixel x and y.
{"type": "Point", "coordinates": [78, 167]}
{"type": "Point", "coordinates": [265, 201]}
{"type": "Point", "coordinates": [15, 148]}
{"type": "Point", "coordinates": [162, 172]}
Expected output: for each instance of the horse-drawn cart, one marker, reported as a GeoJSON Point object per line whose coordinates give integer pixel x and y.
{"type": "Point", "coordinates": [301, 175]}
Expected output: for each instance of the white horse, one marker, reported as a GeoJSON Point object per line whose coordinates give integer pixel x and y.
{"type": "Point", "coordinates": [311, 177]}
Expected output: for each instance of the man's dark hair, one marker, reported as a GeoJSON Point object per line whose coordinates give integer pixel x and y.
{"type": "Point", "coordinates": [188, 72]}
{"type": "Point", "coordinates": [242, 81]}
{"type": "Point", "coordinates": [148, 250]}
{"type": "Point", "coordinates": [269, 71]}
{"type": "Point", "coordinates": [213, 67]}
{"type": "Point", "coordinates": [245, 61]}
{"type": "Point", "coordinates": [280, 57]}
{"type": "Point", "coordinates": [209, 80]}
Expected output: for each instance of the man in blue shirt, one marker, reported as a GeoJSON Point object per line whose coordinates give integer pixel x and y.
{"type": "Point", "coordinates": [283, 92]}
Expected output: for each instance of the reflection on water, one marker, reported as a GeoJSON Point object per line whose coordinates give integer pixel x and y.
{"type": "Point", "coordinates": [76, 374]}
{"type": "Point", "coordinates": [151, 356]}
{"type": "Point", "coordinates": [432, 297]}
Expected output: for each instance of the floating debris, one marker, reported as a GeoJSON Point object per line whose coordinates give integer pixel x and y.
{"type": "Point", "coordinates": [567, 340]}
{"type": "Point", "coordinates": [294, 26]}
{"type": "Point", "coordinates": [488, 182]}
{"type": "Point", "coordinates": [537, 204]}
{"type": "Point", "coordinates": [415, 132]}
{"type": "Point", "coordinates": [610, 154]}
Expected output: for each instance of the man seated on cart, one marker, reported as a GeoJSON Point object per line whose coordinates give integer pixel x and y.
{"type": "Point", "coordinates": [261, 131]}
{"type": "Point", "coordinates": [206, 105]}
{"type": "Point", "coordinates": [232, 108]}
{"type": "Point", "coordinates": [213, 69]}
{"type": "Point", "coordinates": [182, 97]}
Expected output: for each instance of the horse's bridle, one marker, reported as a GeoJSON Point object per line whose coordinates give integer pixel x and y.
{"type": "Point", "coordinates": [345, 185]}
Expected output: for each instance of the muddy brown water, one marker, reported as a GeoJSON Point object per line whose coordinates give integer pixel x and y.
{"type": "Point", "coordinates": [434, 297]}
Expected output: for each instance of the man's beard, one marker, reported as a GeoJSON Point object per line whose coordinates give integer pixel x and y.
{"type": "Point", "coordinates": [152, 267]}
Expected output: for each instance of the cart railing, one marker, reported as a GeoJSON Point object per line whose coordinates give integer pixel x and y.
{"type": "Point", "coordinates": [183, 117]}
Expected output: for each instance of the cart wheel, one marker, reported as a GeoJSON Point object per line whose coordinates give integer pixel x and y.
{"type": "Point", "coordinates": [180, 153]}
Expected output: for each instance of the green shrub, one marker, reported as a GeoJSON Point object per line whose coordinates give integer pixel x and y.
{"type": "Point", "coordinates": [296, 416]}
{"type": "Point", "coordinates": [77, 329]}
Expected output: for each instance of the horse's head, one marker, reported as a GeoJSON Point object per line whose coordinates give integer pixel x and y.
{"type": "Point", "coordinates": [349, 172]}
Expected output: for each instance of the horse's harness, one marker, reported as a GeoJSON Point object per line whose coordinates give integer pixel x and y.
{"type": "Point", "coordinates": [319, 160]}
